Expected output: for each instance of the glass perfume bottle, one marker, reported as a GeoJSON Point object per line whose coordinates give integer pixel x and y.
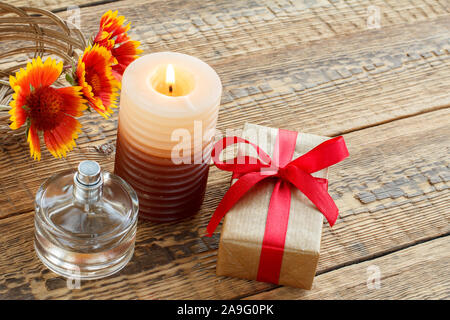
{"type": "Point", "coordinates": [85, 222]}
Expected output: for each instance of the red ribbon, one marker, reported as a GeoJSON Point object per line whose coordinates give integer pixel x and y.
{"type": "Point", "coordinates": [250, 170]}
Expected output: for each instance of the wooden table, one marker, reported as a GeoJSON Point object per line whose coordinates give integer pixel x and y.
{"type": "Point", "coordinates": [311, 66]}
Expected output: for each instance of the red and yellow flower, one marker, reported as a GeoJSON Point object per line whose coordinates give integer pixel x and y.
{"type": "Point", "coordinates": [94, 75]}
{"type": "Point", "coordinates": [51, 111]}
{"type": "Point", "coordinates": [45, 108]}
{"type": "Point", "coordinates": [113, 36]}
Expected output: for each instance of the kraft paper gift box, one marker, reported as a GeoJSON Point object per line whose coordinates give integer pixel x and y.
{"type": "Point", "coordinates": [244, 225]}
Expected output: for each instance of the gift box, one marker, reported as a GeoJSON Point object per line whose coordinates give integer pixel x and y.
{"type": "Point", "coordinates": [257, 241]}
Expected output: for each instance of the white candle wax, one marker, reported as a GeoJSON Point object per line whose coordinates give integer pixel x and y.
{"type": "Point", "coordinates": [149, 117]}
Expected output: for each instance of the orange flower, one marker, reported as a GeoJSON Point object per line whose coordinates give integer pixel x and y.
{"type": "Point", "coordinates": [94, 75]}
{"type": "Point", "coordinates": [46, 109]}
{"type": "Point", "coordinates": [113, 36]}
{"type": "Point", "coordinates": [111, 26]}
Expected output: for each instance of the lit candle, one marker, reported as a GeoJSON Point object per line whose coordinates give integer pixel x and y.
{"type": "Point", "coordinates": [168, 112]}
{"type": "Point", "coordinates": [170, 78]}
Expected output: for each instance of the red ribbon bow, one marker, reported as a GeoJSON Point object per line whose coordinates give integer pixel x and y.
{"type": "Point", "coordinates": [250, 171]}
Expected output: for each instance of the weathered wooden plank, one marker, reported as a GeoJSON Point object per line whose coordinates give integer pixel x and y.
{"type": "Point", "coordinates": [284, 71]}
{"type": "Point", "coordinates": [393, 191]}
{"type": "Point", "coordinates": [378, 76]}
{"type": "Point", "coordinates": [57, 5]}
{"type": "Point", "coordinates": [349, 81]}
{"type": "Point", "coordinates": [418, 272]}
{"type": "Point", "coordinates": [216, 30]}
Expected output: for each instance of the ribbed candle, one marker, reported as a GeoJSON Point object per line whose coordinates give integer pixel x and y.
{"type": "Point", "coordinates": [165, 134]}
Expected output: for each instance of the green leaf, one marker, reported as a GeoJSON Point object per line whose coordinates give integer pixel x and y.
{"type": "Point", "coordinates": [70, 79]}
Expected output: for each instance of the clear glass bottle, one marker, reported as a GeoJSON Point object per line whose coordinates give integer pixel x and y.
{"type": "Point", "coordinates": [85, 222]}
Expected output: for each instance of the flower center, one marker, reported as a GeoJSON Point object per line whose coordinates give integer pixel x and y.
{"type": "Point", "coordinates": [94, 81]}
{"type": "Point", "coordinates": [44, 106]}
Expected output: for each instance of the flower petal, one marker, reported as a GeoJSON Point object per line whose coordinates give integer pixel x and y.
{"type": "Point", "coordinates": [35, 75]}
{"type": "Point", "coordinates": [33, 140]}
{"type": "Point", "coordinates": [94, 75]}
{"type": "Point", "coordinates": [123, 49]}
{"type": "Point", "coordinates": [125, 54]}
{"type": "Point", "coordinates": [18, 114]}
{"type": "Point", "coordinates": [73, 104]}
{"type": "Point", "coordinates": [61, 139]}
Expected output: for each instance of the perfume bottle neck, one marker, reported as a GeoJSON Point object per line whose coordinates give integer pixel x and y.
{"type": "Point", "coordinates": [88, 182]}
{"type": "Point", "coordinates": [87, 193]}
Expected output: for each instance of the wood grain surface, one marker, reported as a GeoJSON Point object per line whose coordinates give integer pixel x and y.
{"type": "Point", "coordinates": [403, 275]}
{"type": "Point", "coordinates": [58, 5]}
{"type": "Point", "coordinates": [311, 66]}
{"type": "Point", "coordinates": [390, 193]}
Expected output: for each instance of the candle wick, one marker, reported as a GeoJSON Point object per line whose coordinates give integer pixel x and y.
{"type": "Point", "coordinates": [170, 89]}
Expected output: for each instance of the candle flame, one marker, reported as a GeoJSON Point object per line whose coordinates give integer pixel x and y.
{"type": "Point", "coordinates": [170, 75]}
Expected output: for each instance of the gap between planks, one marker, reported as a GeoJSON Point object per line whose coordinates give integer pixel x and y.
{"type": "Point", "coordinates": [271, 293]}
{"type": "Point", "coordinates": [418, 272]}
{"type": "Point", "coordinates": [433, 109]}
{"type": "Point", "coordinates": [85, 5]}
